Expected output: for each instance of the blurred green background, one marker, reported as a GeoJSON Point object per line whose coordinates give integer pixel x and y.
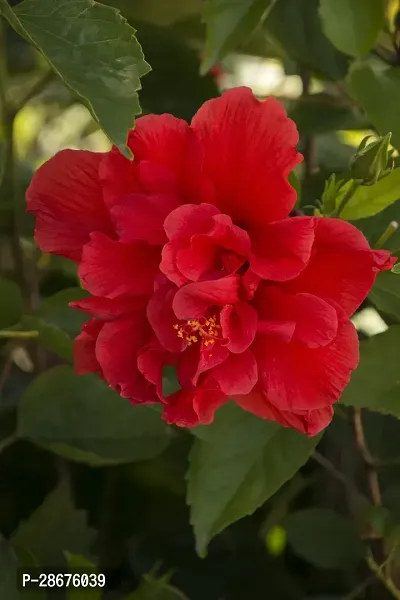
{"type": "Point", "coordinates": [133, 517]}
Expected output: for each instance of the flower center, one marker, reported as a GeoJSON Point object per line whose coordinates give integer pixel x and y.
{"type": "Point", "coordinates": [196, 329]}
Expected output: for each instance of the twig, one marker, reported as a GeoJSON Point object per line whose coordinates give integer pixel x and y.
{"type": "Point", "coordinates": [374, 489]}
{"type": "Point", "coordinates": [361, 587]}
{"type": "Point", "coordinates": [330, 467]}
{"type": "Point", "coordinates": [382, 575]}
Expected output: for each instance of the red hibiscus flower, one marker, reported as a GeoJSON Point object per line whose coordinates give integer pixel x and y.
{"type": "Point", "coordinates": [192, 261]}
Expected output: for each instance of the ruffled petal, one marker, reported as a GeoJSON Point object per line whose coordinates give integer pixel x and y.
{"type": "Point", "coordinates": [108, 309]}
{"type": "Point", "coordinates": [162, 318]}
{"type": "Point", "coordinates": [188, 219]}
{"type": "Point", "coordinates": [111, 269]}
{"type": "Point", "coordinates": [341, 269]}
{"type": "Point", "coordinates": [249, 150]}
{"type": "Point", "coordinates": [198, 359]}
{"type": "Point", "coordinates": [238, 374]}
{"type": "Point", "coordinates": [84, 348]}
{"type": "Point", "coordinates": [309, 422]}
{"type": "Point", "coordinates": [192, 300]}
{"type": "Point", "coordinates": [188, 408]}
{"type": "Point", "coordinates": [141, 217]}
{"type": "Point", "coordinates": [239, 326]}
{"type": "Point", "coordinates": [283, 249]}
{"type": "Point", "coordinates": [117, 350]}
{"type": "Point", "coordinates": [66, 197]}
{"type": "Point", "coordinates": [297, 378]}
{"type": "Point", "coordinates": [312, 320]}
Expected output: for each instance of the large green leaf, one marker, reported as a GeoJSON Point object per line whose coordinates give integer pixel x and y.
{"type": "Point", "coordinates": [370, 200]}
{"type": "Point", "coordinates": [376, 382]}
{"type": "Point", "coordinates": [56, 526]}
{"type": "Point", "coordinates": [353, 26]}
{"type": "Point", "coordinates": [229, 23]}
{"type": "Point", "coordinates": [93, 49]}
{"type": "Point", "coordinates": [8, 572]}
{"type": "Point", "coordinates": [84, 420]}
{"type": "Point", "coordinates": [57, 323]}
{"type": "Point", "coordinates": [54, 310]}
{"type": "Point", "coordinates": [376, 87]}
{"type": "Point", "coordinates": [236, 464]}
{"type": "Point", "coordinates": [11, 303]}
{"type": "Point", "coordinates": [386, 294]}
{"type": "Point", "coordinates": [296, 27]}
{"type": "Point", "coordinates": [324, 538]}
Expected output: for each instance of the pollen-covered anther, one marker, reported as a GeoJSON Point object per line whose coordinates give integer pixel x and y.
{"type": "Point", "coordinates": [206, 329]}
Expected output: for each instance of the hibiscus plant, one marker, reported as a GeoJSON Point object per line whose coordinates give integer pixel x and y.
{"type": "Point", "coordinates": [200, 299]}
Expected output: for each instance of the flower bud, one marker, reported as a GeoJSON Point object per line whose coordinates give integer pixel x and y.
{"type": "Point", "coordinates": [370, 162]}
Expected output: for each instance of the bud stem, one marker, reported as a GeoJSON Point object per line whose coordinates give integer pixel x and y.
{"type": "Point", "coordinates": [346, 198]}
{"type": "Point", "coordinates": [4, 333]}
{"type": "Point", "coordinates": [389, 231]}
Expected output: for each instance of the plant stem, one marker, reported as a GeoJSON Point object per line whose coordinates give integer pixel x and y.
{"type": "Point", "coordinates": [373, 480]}
{"type": "Point", "coordinates": [10, 334]}
{"type": "Point", "coordinates": [346, 198]}
{"type": "Point", "coordinates": [389, 231]}
{"type": "Point", "coordinates": [379, 571]}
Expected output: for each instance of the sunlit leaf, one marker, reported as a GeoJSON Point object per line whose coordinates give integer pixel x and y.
{"type": "Point", "coordinates": [94, 50]}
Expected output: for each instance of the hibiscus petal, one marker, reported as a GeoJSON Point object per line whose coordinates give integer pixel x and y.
{"type": "Point", "coordinates": [283, 249]}
{"type": "Point", "coordinates": [117, 349]}
{"type": "Point", "coordinates": [308, 422]}
{"type": "Point", "coordinates": [108, 309]}
{"type": "Point", "coordinates": [383, 260]}
{"type": "Point", "coordinates": [192, 300]}
{"type": "Point", "coordinates": [238, 374]}
{"type": "Point", "coordinates": [297, 378]}
{"type": "Point", "coordinates": [162, 318]}
{"type": "Point", "coordinates": [239, 326]}
{"type": "Point", "coordinates": [84, 348]}
{"type": "Point", "coordinates": [249, 150]}
{"type": "Point", "coordinates": [341, 269]}
{"type": "Point", "coordinates": [141, 217]}
{"type": "Point", "coordinates": [188, 219]}
{"type": "Point", "coordinates": [188, 408]}
{"type": "Point", "coordinates": [315, 321]}
{"type": "Point", "coordinates": [66, 196]}
{"type": "Point", "coordinates": [168, 264]}
{"type": "Point", "coordinates": [197, 360]}
{"type": "Point", "coordinates": [111, 269]}
{"type": "Point", "coordinates": [160, 139]}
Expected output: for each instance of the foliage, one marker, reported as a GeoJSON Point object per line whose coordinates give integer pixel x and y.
{"type": "Point", "coordinates": [90, 482]}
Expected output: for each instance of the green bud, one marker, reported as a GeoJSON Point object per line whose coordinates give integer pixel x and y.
{"type": "Point", "coordinates": [370, 163]}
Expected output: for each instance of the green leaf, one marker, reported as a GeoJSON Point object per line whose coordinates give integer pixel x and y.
{"type": "Point", "coordinates": [236, 464]}
{"type": "Point", "coordinates": [385, 294]}
{"type": "Point", "coordinates": [376, 87]}
{"type": "Point", "coordinates": [396, 269]}
{"type": "Point", "coordinates": [8, 572]}
{"type": "Point", "coordinates": [324, 538]}
{"type": "Point", "coordinates": [84, 420]}
{"type": "Point", "coordinates": [94, 50]}
{"type": "Point", "coordinates": [11, 303]}
{"type": "Point", "coordinates": [54, 310]}
{"type": "Point", "coordinates": [295, 26]}
{"type": "Point", "coordinates": [370, 200]}
{"type": "Point", "coordinates": [353, 26]}
{"type": "Point", "coordinates": [229, 23]}
{"type": "Point", "coordinates": [56, 526]}
{"type": "Point", "coordinates": [57, 323]}
{"type": "Point", "coordinates": [80, 564]}
{"type": "Point", "coordinates": [155, 589]}
{"type": "Point", "coordinates": [376, 383]}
